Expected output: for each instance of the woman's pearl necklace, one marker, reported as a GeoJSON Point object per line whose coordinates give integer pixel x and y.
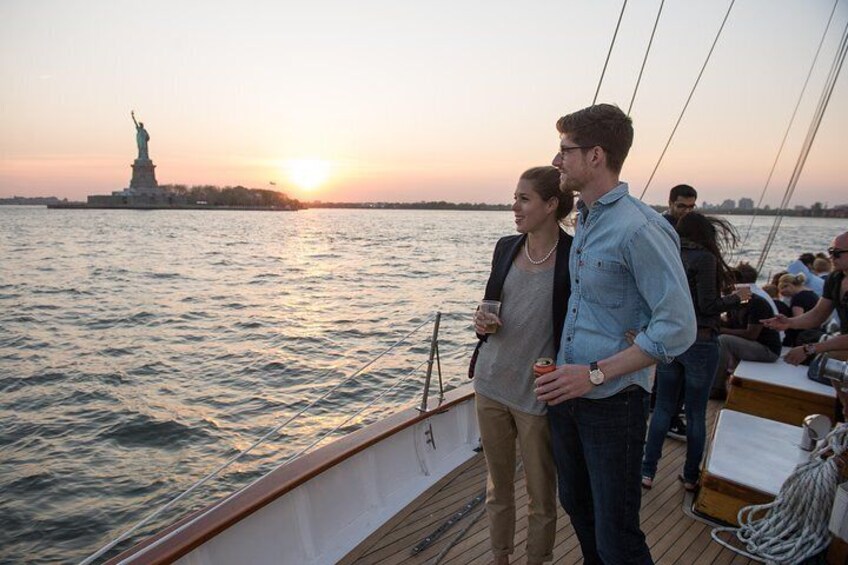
{"type": "Point", "coordinates": [543, 259]}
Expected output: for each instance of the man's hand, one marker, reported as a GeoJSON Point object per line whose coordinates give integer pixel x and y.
{"type": "Point", "coordinates": [567, 382]}
{"type": "Point", "coordinates": [779, 323]}
{"type": "Point", "coordinates": [795, 355]}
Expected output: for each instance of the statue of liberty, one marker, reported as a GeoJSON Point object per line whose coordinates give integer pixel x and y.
{"type": "Point", "coordinates": [141, 138]}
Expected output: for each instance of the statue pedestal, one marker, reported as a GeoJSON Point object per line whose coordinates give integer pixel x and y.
{"type": "Point", "coordinates": [144, 175]}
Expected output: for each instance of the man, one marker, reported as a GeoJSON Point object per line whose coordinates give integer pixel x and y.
{"type": "Point", "coordinates": [744, 337]}
{"type": "Point", "coordinates": [625, 273]}
{"type": "Point", "coordinates": [749, 275]}
{"type": "Point", "coordinates": [681, 200]}
{"type": "Point", "coordinates": [834, 297]}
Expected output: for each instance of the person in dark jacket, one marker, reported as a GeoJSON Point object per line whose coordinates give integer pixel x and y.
{"type": "Point", "coordinates": [702, 239]}
{"type": "Point", "coordinates": [530, 278]}
{"type": "Point", "coordinates": [682, 199]}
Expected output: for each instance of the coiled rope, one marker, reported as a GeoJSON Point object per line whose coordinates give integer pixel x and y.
{"type": "Point", "coordinates": [793, 527]}
{"type": "Point", "coordinates": [147, 519]}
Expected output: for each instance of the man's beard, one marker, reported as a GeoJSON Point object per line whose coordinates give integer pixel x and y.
{"type": "Point", "coordinates": [567, 183]}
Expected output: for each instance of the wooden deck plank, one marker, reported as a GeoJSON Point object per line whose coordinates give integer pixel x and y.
{"type": "Point", "coordinates": [672, 536]}
{"type": "Point", "coordinates": [421, 523]}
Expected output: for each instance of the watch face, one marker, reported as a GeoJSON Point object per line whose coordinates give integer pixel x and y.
{"type": "Point", "coordinates": [596, 376]}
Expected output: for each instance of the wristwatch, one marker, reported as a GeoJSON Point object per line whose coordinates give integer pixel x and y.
{"type": "Point", "coordinates": [810, 349]}
{"type": "Point", "coordinates": [596, 376]}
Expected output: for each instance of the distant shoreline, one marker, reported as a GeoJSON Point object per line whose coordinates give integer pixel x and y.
{"type": "Point", "coordinates": [840, 211]}
{"type": "Point", "coordinates": [84, 206]}
{"type": "Point", "coordinates": [835, 212]}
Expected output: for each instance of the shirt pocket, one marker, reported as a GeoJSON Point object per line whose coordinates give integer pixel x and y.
{"type": "Point", "coordinates": [604, 282]}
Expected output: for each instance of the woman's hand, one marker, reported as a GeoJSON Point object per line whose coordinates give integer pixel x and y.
{"type": "Point", "coordinates": [485, 322]}
{"type": "Point", "coordinates": [743, 292]}
{"type": "Point", "coordinates": [630, 336]}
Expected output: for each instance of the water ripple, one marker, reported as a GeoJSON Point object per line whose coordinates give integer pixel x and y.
{"type": "Point", "coordinates": [120, 366]}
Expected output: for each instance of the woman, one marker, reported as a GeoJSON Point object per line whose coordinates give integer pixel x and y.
{"type": "Point", "coordinates": [530, 278]}
{"type": "Point", "coordinates": [800, 299]}
{"type": "Point", "coordinates": [774, 293]}
{"type": "Point", "coordinates": [702, 239]}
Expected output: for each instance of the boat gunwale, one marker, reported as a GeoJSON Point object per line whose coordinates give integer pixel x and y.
{"type": "Point", "coordinates": [193, 530]}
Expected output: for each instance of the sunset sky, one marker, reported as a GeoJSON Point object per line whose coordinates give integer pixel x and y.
{"type": "Point", "coordinates": [408, 101]}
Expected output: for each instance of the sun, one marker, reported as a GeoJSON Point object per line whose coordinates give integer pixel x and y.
{"type": "Point", "coordinates": [308, 174]}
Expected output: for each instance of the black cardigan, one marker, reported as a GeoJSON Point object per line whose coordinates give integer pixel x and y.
{"type": "Point", "coordinates": [505, 252]}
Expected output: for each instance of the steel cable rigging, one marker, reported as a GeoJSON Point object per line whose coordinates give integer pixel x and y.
{"type": "Point", "coordinates": [688, 99]}
{"type": "Point", "coordinates": [789, 126]}
{"type": "Point", "coordinates": [645, 59]}
{"type": "Point", "coordinates": [827, 92]}
{"type": "Point", "coordinates": [609, 53]}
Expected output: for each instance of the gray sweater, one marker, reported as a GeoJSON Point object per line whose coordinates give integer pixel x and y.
{"type": "Point", "coordinates": [504, 370]}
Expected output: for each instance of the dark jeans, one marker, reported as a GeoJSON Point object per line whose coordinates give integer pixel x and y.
{"type": "Point", "coordinates": [597, 448]}
{"type": "Point", "coordinates": [691, 372]}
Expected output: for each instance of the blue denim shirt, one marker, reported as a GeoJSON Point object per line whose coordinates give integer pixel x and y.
{"type": "Point", "coordinates": [626, 274]}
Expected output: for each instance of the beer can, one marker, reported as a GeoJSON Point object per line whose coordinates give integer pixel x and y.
{"type": "Point", "coordinates": [543, 365]}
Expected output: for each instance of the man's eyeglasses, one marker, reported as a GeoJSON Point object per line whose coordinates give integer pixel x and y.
{"type": "Point", "coordinates": [836, 253]}
{"type": "Point", "coordinates": [564, 150]}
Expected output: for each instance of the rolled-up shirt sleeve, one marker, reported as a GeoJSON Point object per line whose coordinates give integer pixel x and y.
{"type": "Point", "coordinates": [653, 254]}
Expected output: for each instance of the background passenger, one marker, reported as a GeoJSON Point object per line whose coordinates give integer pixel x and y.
{"type": "Point", "coordinates": [702, 240]}
{"type": "Point", "coordinates": [801, 300]}
{"type": "Point", "coordinates": [744, 338]}
{"type": "Point", "coordinates": [803, 265]}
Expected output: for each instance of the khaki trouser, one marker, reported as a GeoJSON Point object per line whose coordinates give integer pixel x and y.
{"type": "Point", "coordinates": [500, 425]}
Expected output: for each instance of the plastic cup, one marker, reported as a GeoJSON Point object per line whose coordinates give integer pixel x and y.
{"type": "Point", "coordinates": [740, 285]}
{"type": "Point", "coordinates": [491, 307]}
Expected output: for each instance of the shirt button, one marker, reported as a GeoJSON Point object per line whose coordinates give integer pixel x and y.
{"type": "Point", "coordinates": [579, 251]}
{"type": "Point", "coordinates": [576, 281]}
{"type": "Point", "coordinates": [568, 339]}
{"type": "Point", "coordinates": [574, 310]}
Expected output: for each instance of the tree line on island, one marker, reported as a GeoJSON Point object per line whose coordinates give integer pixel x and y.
{"type": "Point", "coordinates": [817, 210]}
{"type": "Point", "coordinates": [422, 205]}
{"type": "Point", "coordinates": [232, 196]}
{"type": "Point", "coordinates": [243, 197]}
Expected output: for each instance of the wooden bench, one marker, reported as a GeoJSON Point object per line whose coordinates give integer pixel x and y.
{"type": "Point", "coordinates": [747, 462]}
{"type": "Point", "coordinates": [778, 391]}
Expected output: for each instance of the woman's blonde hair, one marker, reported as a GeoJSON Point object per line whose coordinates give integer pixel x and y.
{"type": "Point", "coordinates": [796, 280]}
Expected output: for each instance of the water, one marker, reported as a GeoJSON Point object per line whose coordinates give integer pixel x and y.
{"type": "Point", "coordinates": [139, 350]}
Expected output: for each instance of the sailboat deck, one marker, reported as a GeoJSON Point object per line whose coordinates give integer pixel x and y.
{"type": "Point", "coordinates": [672, 536]}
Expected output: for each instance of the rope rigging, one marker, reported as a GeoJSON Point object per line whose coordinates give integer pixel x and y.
{"type": "Point", "coordinates": [688, 99]}
{"type": "Point", "coordinates": [827, 92]}
{"type": "Point", "coordinates": [609, 53]}
{"type": "Point", "coordinates": [151, 516]}
{"type": "Point", "coordinates": [645, 59]}
{"type": "Point", "coordinates": [791, 122]}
